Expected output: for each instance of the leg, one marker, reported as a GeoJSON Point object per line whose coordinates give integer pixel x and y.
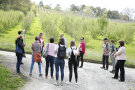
{"type": "Point", "coordinates": [32, 64]}
{"type": "Point", "coordinates": [62, 64]}
{"type": "Point", "coordinates": [47, 66]}
{"type": "Point", "coordinates": [78, 57]}
{"type": "Point", "coordinates": [75, 71]}
{"type": "Point", "coordinates": [122, 70]}
{"type": "Point", "coordinates": [103, 61]}
{"type": "Point", "coordinates": [107, 62]}
{"type": "Point", "coordinates": [51, 64]}
{"type": "Point", "coordinates": [39, 66]}
{"type": "Point", "coordinates": [81, 59]}
{"type": "Point", "coordinates": [116, 70]}
{"type": "Point", "coordinates": [114, 63]}
{"type": "Point", "coordinates": [19, 60]}
{"type": "Point", "coordinates": [70, 70]}
{"type": "Point", "coordinates": [57, 69]}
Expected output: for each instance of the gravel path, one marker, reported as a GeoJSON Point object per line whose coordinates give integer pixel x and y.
{"type": "Point", "coordinates": [91, 77]}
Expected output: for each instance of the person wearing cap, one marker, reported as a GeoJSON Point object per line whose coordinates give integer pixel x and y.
{"type": "Point", "coordinates": [62, 36]}
{"type": "Point", "coordinates": [105, 57]}
{"type": "Point", "coordinates": [81, 48]}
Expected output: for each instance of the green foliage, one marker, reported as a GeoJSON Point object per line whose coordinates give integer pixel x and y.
{"type": "Point", "coordinates": [8, 81]}
{"type": "Point", "coordinates": [26, 24]}
{"type": "Point", "coordinates": [9, 19]}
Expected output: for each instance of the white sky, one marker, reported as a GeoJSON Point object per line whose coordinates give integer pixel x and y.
{"type": "Point", "coordinates": [109, 4]}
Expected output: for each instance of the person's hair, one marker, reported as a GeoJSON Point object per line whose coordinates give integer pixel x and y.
{"type": "Point", "coordinates": [61, 41]}
{"type": "Point", "coordinates": [51, 40]}
{"type": "Point", "coordinates": [36, 38]}
{"type": "Point", "coordinates": [121, 43]}
{"type": "Point", "coordinates": [112, 41]}
{"type": "Point", "coordinates": [72, 43]}
{"type": "Point", "coordinates": [19, 32]}
{"type": "Point", "coordinates": [40, 34]}
{"type": "Point", "coordinates": [62, 35]}
{"type": "Point", "coordinates": [105, 39]}
{"type": "Point", "coordinates": [82, 38]}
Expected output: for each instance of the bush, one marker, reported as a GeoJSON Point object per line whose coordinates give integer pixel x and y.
{"type": "Point", "coordinates": [9, 19]}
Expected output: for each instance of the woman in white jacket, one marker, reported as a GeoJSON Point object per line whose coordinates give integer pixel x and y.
{"type": "Point", "coordinates": [121, 58]}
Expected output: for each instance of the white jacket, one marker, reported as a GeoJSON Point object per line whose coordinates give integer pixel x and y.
{"type": "Point", "coordinates": [121, 54]}
{"type": "Point", "coordinates": [69, 50]}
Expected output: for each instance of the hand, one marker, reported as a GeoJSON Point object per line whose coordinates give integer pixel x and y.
{"type": "Point", "coordinates": [24, 45]}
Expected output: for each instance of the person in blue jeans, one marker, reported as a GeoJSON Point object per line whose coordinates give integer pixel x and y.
{"type": "Point", "coordinates": [49, 48]}
{"type": "Point", "coordinates": [36, 47]}
{"type": "Point", "coordinates": [60, 51]}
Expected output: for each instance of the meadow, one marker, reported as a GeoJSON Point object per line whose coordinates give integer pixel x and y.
{"type": "Point", "coordinates": [53, 23]}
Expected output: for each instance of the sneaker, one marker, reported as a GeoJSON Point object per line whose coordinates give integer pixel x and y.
{"type": "Point", "coordinates": [22, 63]}
{"type": "Point", "coordinates": [76, 83]}
{"type": "Point", "coordinates": [80, 66]}
{"type": "Point", "coordinates": [46, 77]}
{"type": "Point", "coordinates": [52, 77]}
{"type": "Point", "coordinates": [30, 75]}
{"type": "Point", "coordinates": [105, 69]}
{"type": "Point", "coordinates": [19, 72]}
{"type": "Point", "coordinates": [68, 82]}
{"type": "Point", "coordinates": [40, 75]}
{"type": "Point", "coordinates": [112, 71]}
{"type": "Point", "coordinates": [102, 67]}
{"type": "Point", "coordinates": [62, 83]}
{"type": "Point", "coordinates": [114, 78]}
{"type": "Point", "coordinates": [121, 80]}
{"type": "Point", "coordinates": [56, 83]}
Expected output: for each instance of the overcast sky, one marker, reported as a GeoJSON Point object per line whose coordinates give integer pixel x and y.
{"type": "Point", "coordinates": [109, 4]}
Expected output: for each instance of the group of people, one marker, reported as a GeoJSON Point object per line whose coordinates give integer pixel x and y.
{"type": "Point", "coordinates": [54, 54]}
{"type": "Point", "coordinates": [109, 49]}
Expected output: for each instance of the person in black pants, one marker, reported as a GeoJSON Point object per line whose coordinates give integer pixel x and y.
{"type": "Point", "coordinates": [72, 61]}
{"type": "Point", "coordinates": [19, 52]}
{"type": "Point", "coordinates": [105, 57]}
{"type": "Point", "coordinates": [121, 58]}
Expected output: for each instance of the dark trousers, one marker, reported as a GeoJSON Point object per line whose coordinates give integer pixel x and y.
{"type": "Point", "coordinates": [105, 61]}
{"type": "Point", "coordinates": [19, 60]}
{"type": "Point", "coordinates": [120, 65]}
{"type": "Point", "coordinates": [72, 63]}
{"type": "Point", "coordinates": [78, 58]}
{"type": "Point", "coordinates": [49, 62]}
{"type": "Point", "coordinates": [59, 63]}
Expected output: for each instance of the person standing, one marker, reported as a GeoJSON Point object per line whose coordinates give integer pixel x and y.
{"type": "Point", "coordinates": [50, 57]}
{"type": "Point", "coordinates": [72, 62]}
{"type": "Point", "coordinates": [105, 57]}
{"type": "Point", "coordinates": [121, 59]}
{"type": "Point", "coordinates": [41, 41]}
{"type": "Point", "coordinates": [82, 49]}
{"type": "Point", "coordinates": [112, 52]}
{"type": "Point", "coordinates": [36, 53]}
{"type": "Point", "coordinates": [19, 51]}
{"type": "Point", "coordinates": [60, 51]}
{"type": "Point", "coordinates": [65, 41]}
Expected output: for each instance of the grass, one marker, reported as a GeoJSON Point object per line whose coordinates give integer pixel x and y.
{"type": "Point", "coordinates": [9, 81]}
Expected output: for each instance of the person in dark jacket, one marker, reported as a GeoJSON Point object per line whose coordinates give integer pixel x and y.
{"type": "Point", "coordinates": [19, 51]}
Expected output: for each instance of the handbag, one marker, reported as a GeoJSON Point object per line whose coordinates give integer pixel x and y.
{"type": "Point", "coordinates": [18, 49]}
{"type": "Point", "coordinates": [37, 57]}
{"type": "Point", "coordinates": [46, 51]}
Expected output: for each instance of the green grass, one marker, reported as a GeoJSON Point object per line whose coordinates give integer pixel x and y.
{"type": "Point", "coordinates": [9, 81]}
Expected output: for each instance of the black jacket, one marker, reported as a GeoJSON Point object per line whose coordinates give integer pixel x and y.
{"type": "Point", "coordinates": [19, 41]}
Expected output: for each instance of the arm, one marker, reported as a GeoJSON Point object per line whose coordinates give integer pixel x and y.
{"type": "Point", "coordinates": [119, 52]}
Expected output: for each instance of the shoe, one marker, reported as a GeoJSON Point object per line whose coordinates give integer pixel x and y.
{"type": "Point", "coordinates": [56, 83]}
{"type": "Point", "coordinates": [19, 72]}
{"type": "Point", "coordinates": [114, 78]}
{"type": "Point", "coordinates": [52, 77]}
{"type": "Point", "coordinates": [76, 83]}
{"type": "Point", "coordinates": [105, 69]}
{"type": "Point", "coordinates": [46, 77]}
{"type": "Point", "coordinates": [80, 66]}
{"type": "Point", "coordinates": [62, 83]}
{"type": "Point", "coordinates": [102, 67]}
{"type": "Point", "coordinates": [30, 75]}
{"type": "Point", "coordinates": [121, 80]}
{"type": "Point", "coordinates": [68, 82]}
{"type": "Point", "coordinates": [40, 75]}
{"type": "Point", "coordinates": [22, 63]}
{"type": "Point", "coordinates": [112, 71]}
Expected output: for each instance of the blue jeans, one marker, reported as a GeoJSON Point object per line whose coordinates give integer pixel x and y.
{"type": "Point", "coordinates": [59, 63]}
{"type": "Point", "coordinates": [32, 64]}
{"type": "Point", "coordinates": [49, 62]}
{"type": "Point", "coordinates": [19, 60]}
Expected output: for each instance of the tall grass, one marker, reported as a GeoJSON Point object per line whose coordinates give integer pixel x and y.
{"type": "Point", "coordinates": [9, 19]}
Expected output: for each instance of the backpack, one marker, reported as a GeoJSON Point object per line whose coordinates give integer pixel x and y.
{"type": "Point", "coordinates": [37, 57]}
{"type": "Point", "coordinates": [61, 52]}
{"type": "Point", "coordinates": [72, 56]}
{"type": "Point", "coordinates": [18, 49]}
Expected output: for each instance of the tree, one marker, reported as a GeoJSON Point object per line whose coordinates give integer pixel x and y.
{"type": "Point", "coordinates": [41, 3]}
{"type": "Point", "coordinates": [74, 8]}
{"type": "Point", "coordinates": [57, 7]}
{"type": "Point", "coordinates": [113, 14]}
{"type": "Point", "coordinates": [47, 7]}
{"type": "Point", "coordinates": [88, 11]}
{"type": "Point", "coordinates": [129, 12]}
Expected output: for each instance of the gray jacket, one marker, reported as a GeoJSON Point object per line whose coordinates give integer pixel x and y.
{"type": "Point", "coordinates": [36, 47]}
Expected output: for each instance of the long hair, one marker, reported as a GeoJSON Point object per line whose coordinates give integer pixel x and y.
{"type": "Point", "coordinates": [61, 41]}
